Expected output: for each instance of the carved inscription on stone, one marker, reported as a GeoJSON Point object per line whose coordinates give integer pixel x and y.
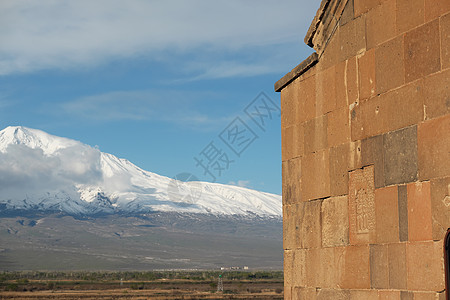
{"type": "Point", "coordinates": [362, 206]}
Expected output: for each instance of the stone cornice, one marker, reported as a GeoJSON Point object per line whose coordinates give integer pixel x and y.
{"type": "Point", "coordinates": [319, 34]}
{"type": "Point", "coordinates": [296, 72]}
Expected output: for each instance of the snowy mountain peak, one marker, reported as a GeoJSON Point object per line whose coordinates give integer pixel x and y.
{"type": "Point", "coordinates": [33, 138]}
{"type": "Point", "coordinates": [40, 171]}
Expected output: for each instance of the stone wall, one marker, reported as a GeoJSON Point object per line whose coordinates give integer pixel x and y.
{"type": "Point", "coordinates": [366, 153]}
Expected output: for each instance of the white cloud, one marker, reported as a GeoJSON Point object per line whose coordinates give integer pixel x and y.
{"type": "Point", "coordinates": [233, 69]}
{"type": "Point", "coordinates": [68, 34]}
{"type": "Point", "coordinates": [167, 106]}
{"type": "Point", "coordinates": [24, 171]}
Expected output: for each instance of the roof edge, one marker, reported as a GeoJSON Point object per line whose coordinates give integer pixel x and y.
{"type": "Point", "coordinates": [322, 28]}
{"type": "Point", "coordinates": [315, 23]}
{"type": "Point", "coordinates": [296, 72]}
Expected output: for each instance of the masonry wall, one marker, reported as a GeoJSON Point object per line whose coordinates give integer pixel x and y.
{"type": "Point", "coordinates": [366, 157]}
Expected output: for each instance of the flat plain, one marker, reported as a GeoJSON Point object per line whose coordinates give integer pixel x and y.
{"type": "Point", "coordinates": [141, 285]}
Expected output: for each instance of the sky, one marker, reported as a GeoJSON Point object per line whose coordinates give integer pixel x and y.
{"type": "Point", "coordinates": [176, 87]}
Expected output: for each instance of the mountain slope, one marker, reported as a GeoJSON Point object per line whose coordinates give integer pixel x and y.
{"type": "Point", "coordinates": [43, 172]}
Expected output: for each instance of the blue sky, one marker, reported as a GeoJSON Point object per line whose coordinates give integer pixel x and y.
{"type": "Point", "coordinates": [155, 81]}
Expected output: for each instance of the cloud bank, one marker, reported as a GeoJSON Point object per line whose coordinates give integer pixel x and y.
{"type": "Point", "coordinates": [177, 107]}
{"type": "Point", "coordinates": [26, 171]}
{"type": "Point", "coordinates": [53, 34]}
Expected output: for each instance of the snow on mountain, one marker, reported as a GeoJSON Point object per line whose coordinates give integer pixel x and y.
{"type": "Point", "coordinates": [45, 172]}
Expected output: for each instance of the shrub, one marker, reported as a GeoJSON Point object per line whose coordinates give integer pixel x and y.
{"type": "Point", "coordinates": [12, 287]}
{"type": "Point", "coordinates": [51, 285]}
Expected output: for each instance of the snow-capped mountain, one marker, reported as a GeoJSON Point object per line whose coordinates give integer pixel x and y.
{"type": "Point", "coordinates": [40, 171]}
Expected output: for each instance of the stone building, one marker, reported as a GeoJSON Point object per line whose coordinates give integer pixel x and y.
{"type": "Point", "coordinates": [366, 153]}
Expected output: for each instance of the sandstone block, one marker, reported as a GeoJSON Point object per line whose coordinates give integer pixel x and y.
{"type": "Point", "coordinates": [287, 143]}
{"type": "Point", "coordinates": [426, 296]}
{"type": "Point", "coordinates": [338, 127]}
{"type": "Point", "coordinates": [303, 293]}
{"type": "Point", "coordinates": [397, 266]}
{"type": "Point", "coordinates": [339, 157]}
{"type": "Point", "coordinates": [356, 272]}
{"type": "Point", "coordinates": [362, 206]}
{"type": "Point", "coordinates": [434, 9]}
{"type": "Point", "coordinates": [335, 222]}
{"type": "Point", "coordinates": [348, 14]}
{"type": "Point", "coordinates": [341, 84]}
{"type": "Point", "coordinates": [363, 294]}
{"type": "Point", "coordinates": [288, 107]}
{"type": "Point", "coordinates": [355, 157]}
{"type": "Point", "coordinates": [292, 218]}
{"type": "Point", "coordinates": [425, 266]}
{"type": "Point", "coordinates": [325, 294]}
{"type": "Point", "coordinates": [400, 156]}
{"type": "Point", "coordinates": [352, 38]}
{"type": "Point", "coordinates": [357, 121]}
{"type": "Point", "coordinates": [437, 91]}
{"type": "Point", "coordinates": [422, 55]}
{"type": "Point", "coordinates": [402, 213]}
{"type": "Point", "coordinates": [379, 268]}
{"type": "Point", "coordinates": [366, 73]}
{"type": "Point", "coordinates": [331, 53]}
{"type": "Point", "coordinates": [363, 6]}
{"type": "Point", "coordinates": [310, 225]}
{"type": "Point", "coordinates": [380, 24]}
{"type": "Point", "coordinates": [287, 291]}
{"type": "Point", "coordinates": [406, 295]}
{"type": "Point", "coordinates": [445, 39]}
{"type": "Point", "coordinates": [316, 134]}
{"type": "Point", "coordinates": [440, 204]}
{"type": "Point", "coordinates": [288, 263]}
{"type": "Point", "coordinates": [299, 268]}
{"type": "Point", "coordinates": [298, 140]}
{"type": "Point", "coordinates": [289, 231]}
{"type": "Point", "coordinates": [313, 265]}
{"type": "Point", "coordinates": [284, 174]}
{"type": "Point", "coordinates": [287, 191]}
{"type": "Point", "coordinates": [294, 170]}
{"type": "Point", "coordinates": [352, 81]}
{"type": "Point", "coordinates": [321, 268]}
{"type": "Point", "coordinates": [292, 97]}
{"type": "Point", "coordinates": [372, 154]}
{"type": "Point", "coordinates": [389, 65]}
{"type": "Point", "coordinates": [306, 109]}
{"type": "Point", "coordinates": [381, 113]}
{"type": "Point", "coordinates": [433, 145]}
{"type": "Point", "coordinates": [386, 211]}
{"type": "Point", "coordinates": [389, 295]}
{"type": "Point", "coordinates": [327, 270]}
{"type": "Point", "coordinates": [292, 181]}
{"type": "Point", "coordinates": [419, 211]}
{"type": "Point", "coordinates": [410, 14]}
{"type": "Point", "coordinates": [325, 91]}
{"type": "Point", "coordinates": [316, 175]}
{"type": "Point", "coordinates": [299, 211]}
{"type": "Point", "coordinates": [347, 90]}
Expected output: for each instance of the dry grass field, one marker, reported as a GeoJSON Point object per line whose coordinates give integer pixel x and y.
{"type": "Point", "coordinates": [236, 285]}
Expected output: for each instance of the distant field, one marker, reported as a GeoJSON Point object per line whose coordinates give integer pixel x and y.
{"type": "Point", "coordinates": [141, 285]}
{"type": "Point", "coordinates": [158, 241]}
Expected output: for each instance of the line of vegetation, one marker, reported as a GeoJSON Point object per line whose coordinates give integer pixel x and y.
{"type": "Point", "coordinates": [24, 276]}
{"type": "Point", "coordinates": [168, 281]}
